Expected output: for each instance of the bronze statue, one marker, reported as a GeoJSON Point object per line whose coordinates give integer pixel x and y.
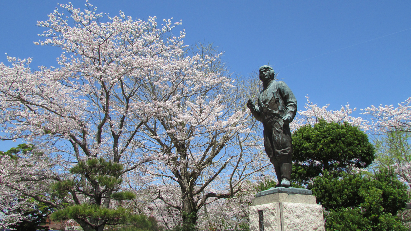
{"type": "Point", "coordinates": [276, 109]}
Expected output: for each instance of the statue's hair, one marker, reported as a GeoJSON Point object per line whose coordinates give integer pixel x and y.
{"type": "Point", "coordinates": [272, 74]}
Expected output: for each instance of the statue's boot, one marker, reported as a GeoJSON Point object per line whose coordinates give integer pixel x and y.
{"type": "Point", "coordinates": [286, 175]}
{"type": "Point", "coordinates": [277, 168]}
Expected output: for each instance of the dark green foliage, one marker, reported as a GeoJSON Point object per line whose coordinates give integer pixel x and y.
{"type": "Point", "coordinates": [20, 149]}
{"type": "Point", "coordinates": [333, 193]}
{"type": "Point", "coordinates": [327, 152]}
{"type": "Point", "coordinates": [61, 189]}
{"type": "Point", "coordinates": [358, 202]}
{"type": "Point", "coordinates": [394, 193]}
{"type": "Point", "coordinates": [99, 172]}
{"type": "Point", "coordinates": [99, 181]}
{"type": "Point", "coordinates": [96, 214]}
{"type": "Point", "coordinates": [346, 219]}
{"type": "Point", "coordinates": [99, 214]}
{"type": "Point", "coordinates": [328, 146]}
{"type": "Point", "coordinates": [125, 195]}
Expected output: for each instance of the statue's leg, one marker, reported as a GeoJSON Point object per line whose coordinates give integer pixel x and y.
{"type": "Point", "coordinates": [283, 154]}
{"type": "Point", "coordinates": [269, 149]}
{"type": "Point", "coordinates": [277, 166]}
{"type": "Point", "coordinates": [286, 174]}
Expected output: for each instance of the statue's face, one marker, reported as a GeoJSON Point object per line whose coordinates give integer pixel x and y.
{"type": "Point", "coordinates": [265, 74]}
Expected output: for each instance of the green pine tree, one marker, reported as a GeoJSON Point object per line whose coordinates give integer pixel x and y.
{"type": "Point", "coordinates": [98, 181]}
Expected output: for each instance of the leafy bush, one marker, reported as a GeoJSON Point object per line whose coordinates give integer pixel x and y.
{"type": "Point", "coordinates": [359, 202]}
{"type": "Point", "coordinates": [328, 146]}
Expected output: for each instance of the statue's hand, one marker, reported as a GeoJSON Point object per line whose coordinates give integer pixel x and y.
{"type": "Point", "coordinates": [250, 105]}
{"type": "Point", "coordinates": [287, 119]}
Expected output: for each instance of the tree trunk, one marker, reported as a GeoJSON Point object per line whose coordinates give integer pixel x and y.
{"type": "Point", "coordinates": [189, 213]}
{"type": "Point", "coordinates": [84, 225]}
{"type": "Point", "coordinates": [87, 227]}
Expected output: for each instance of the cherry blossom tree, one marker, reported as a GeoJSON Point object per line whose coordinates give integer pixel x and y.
{"type": "Point", "coordinates": [127, 91]}
{"type": "Point", "coordinates": [216, 163]}
{"type": "Point", "coordinates": [389, 118]}
{"type": "Point", "coordinates": [313, 114]}
{"type": "Point", "coordinates": [392, 127]}
{"type": "Point", "coordinates": [25, 175]}
{"type": "Point", "coordinates": [202, 135]}
{"type": "Point", "coordinates": [216, 214]}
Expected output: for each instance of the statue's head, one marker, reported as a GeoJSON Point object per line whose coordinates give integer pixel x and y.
{"type": "Point", "coordinates": [266, 72]}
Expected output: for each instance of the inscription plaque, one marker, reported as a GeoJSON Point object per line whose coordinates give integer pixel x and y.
{"type": "Point", "coordinates": [261, 220]}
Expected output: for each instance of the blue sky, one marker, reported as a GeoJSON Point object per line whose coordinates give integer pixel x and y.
{"type": "Point", "coordinates": [333, 51]}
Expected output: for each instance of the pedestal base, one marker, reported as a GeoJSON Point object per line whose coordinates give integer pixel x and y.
{"type": "Point", "coordinates": [285, 209]}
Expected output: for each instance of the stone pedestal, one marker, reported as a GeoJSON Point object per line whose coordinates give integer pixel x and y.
{"type": "Point", "coordinates": [286, 209]}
